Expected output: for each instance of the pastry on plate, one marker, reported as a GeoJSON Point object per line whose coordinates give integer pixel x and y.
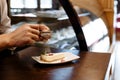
{"type": "Point", "coordinates": [49, 57]}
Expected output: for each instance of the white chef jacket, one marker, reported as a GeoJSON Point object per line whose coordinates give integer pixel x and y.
{"type": "Point", "coordinates": [5, 22]}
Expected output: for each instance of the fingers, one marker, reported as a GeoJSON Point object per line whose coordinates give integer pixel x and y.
{"type": "Point", "coordinates": [34, 37]}
{"type": "Point", "coordinates": [40, 27]}
{"type": "Point", "coordinates": [37, 28]}
{"type": "Point", "coordinates": [35, 31]}
{"type": "Point", "coordinates": [34, 26]}
{"type": "Point", "coordinates": [30, 33]}
{"type": "Point", "coordinates": [43, 27]}
{"type": "Point", "coordinates": [27, 41]}
{"type": "Point", "coordinates": [42, 30]}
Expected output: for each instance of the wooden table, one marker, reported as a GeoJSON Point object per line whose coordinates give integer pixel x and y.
{"type": "Point", "coordinates": [20, 66]}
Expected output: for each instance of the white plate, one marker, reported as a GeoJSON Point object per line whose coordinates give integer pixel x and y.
{"type": "Point", "coordinates": [68, 57]}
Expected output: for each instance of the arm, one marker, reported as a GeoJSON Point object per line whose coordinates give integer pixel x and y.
{"type": "Point", "coordinates": [5, 22]}
{"type": "Point", "coordinates": [24, 35]}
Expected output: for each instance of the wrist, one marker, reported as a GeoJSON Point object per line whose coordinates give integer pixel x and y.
{"type": "Point", "coordinates": [9, 41]}
{"type": "Point", "coordinates": [10, 44]}
{"type": "Point", "coordinates": [4, 41]}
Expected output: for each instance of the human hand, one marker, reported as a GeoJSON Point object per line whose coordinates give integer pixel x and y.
{"type": "Point", "coordinates": [28, 34]}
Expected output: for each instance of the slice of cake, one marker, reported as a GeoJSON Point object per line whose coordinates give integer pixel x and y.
{"type": "Point", "coordinates": [52, 57]}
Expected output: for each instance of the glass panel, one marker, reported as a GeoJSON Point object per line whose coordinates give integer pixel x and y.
{"type": "Point", "coordinates": [45, 4]}
{"type": "Point", "coordinates": [23, 3]}
{"type": "Point", "coordinates": [16, 4]}
{"type": "Point", "coordinates": [30, 3]}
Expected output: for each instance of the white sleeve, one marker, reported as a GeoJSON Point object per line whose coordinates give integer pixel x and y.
{"type": "Point", "coordinates": [5, 22]}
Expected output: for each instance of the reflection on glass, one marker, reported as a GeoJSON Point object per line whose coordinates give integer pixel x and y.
{"type": "Point", "coordinates": [23, 3]}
